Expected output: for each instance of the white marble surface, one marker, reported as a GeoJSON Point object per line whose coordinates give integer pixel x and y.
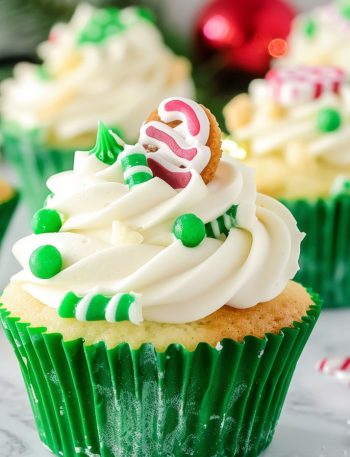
{"type": "Point", "coordinates": [315, 421]}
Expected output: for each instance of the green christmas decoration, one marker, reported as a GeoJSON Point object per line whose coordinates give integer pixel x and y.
{"type": "Point", "coordinates": [111, 21]}
{"type": "Point", "coordinates": [310, 28]}
{"type": "Point", "coordinates": [135, 166]}
{"type": "Point", "coordinates": [107, 148]}
{"type": "Point", "coordinates": [46, 221]}
{"type": "Point", "coordinates": [189, 229]}
{"type": "Point", "coordinates": [45, 262]}
{"type": "Point", "coordinates": [98, 307]}
{"type": "Point", "coordinates": [328, 120]}
{"type": "Point", "coordinates": [223, 224]}
{"type": "Point", "coordinates": [344, 9]}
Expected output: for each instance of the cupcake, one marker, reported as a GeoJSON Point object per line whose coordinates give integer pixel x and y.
{"type": "Point", "coordinates": [293, 127]}
{"type": "Point", "coordinates": [8, 203]}
{"type": "Point", "coordinates": [320, 37]}
{"type": "Point", "coordinates": [105, 64]}
{"type": "Point", "coordinates": [155, 312]}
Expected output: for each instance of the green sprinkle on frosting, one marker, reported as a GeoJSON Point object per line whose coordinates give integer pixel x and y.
{"type": "Point", "coordinates": [46, 220]}
{"type": "Point", "coordinates": [106, 149]}
{"type": "Point", "coordinates": [45, 262]}
{"type": "Point", "coordinates": [328, 120]}
{"type": "Point", "coordinates": [310, 28]}
{"type": "Point", "coordinates": [111, 21]}
{"type": "Point", "coordinates": [189, 229]}
{"type": "Point", "coordinates": [344, 9]}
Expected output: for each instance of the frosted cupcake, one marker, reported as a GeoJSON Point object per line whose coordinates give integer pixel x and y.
{"type": "Point", "coordinates": [294, 128]}
{"type": "Point", "coordinates": [105, 64]}
{"type": "Point", "coordinates": [8, 203]}
{"type": "Point", "coordinates": [320, 37]}
{"type": "Point", "coordinates": [154, 313]}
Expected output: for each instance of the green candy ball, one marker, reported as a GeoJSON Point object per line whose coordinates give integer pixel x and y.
{"type": "Point", "coordinates": [189, 229]}
{"type": "Point", "coordinates": [328, 120]}
{"type": "Point", "coordinates": [45, 262]}
{"type": "Point", "coordinates": [46, 221]}
{"type": "Point", "coordinates": [310, 28]}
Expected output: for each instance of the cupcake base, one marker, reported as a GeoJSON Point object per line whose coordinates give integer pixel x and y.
{"type": "Point", "coordinates": [91, 400]}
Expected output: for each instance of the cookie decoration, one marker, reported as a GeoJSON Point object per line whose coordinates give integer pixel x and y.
{"type": "Point", "coordinates": [181, 136]}
{"type": "Point", "coordinates": [291, 86]}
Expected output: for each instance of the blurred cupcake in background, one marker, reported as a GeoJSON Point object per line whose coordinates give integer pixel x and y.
{"type": "Point", "coordinates": [293, 127]}
{"type": "Point", "coordinates": [8, 203]}
{"type": "Point", "coordinates": [320, 37]}
{"type": "Point", "coordinates": [105, 64]}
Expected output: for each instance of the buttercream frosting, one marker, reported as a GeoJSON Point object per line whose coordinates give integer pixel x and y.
{"type": "Point", "coordinates": [118, 239]}
{"type": "Point", "coordinates": [320, 37]}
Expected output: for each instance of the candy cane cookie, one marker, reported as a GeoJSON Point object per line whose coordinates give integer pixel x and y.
{"type": "Point", "coordinates": [184, 135]}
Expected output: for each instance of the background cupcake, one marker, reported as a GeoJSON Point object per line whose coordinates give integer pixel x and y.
{"type": "Point", "coordinates": [105, 64]}
{"type": "Point", "coordinates": [145, 234]}
{"type": "Point", "coordinates": [295, 131]}
{"type": "Point", "coordinates": [8, 203]}
{"type": "Point", "coordinates": [320, 37]}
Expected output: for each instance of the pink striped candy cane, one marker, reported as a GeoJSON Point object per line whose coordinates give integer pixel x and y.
{"type": "Point", "coordinates": [290, 86]}
{"type": "Point", "coordinates": [179, 150]}
{"type": "Point", "coordinates": [337, 367]}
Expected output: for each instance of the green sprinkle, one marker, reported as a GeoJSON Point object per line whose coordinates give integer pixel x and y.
{"type": "Point", "coordinates": [45, 262]}
{"type": "Point", "coordinates": [106, 149]}
{"type": "Point", "coordinates": [328, 120]}
{"type": "Point", "coordinates": [310, 28]}
{"type": "Point", "coordinates": [344, 10]}
{"type": "Point", "coordinates": [103, 24]}
{"type": "Point", "coordinates": [68, 305]}
{"type": "Point", "coordinates": [46, 221]}
{"type": "Point", "coordinates": [189, 229]}
{"type": "Point", "coordinates": [122, 313]}
{"type": "Point", "coordinates": [43, 73]}
{"type": "Point", "coordinates": [97, 307]}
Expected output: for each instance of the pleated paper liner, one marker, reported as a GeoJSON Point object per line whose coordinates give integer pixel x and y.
{"type": "Point", "coordinates": [325, 251]}
{"type": "Point", "coordinates": [34, 162]}
{"type": "Point", "coordinates": [120, 402]}
{"type": "Point", "coordinates": [7, 208]}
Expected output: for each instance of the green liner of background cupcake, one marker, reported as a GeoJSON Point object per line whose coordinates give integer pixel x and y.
{"type": "Point", "coordinates": [8, 202]}
{"type": "Point", "coordinates": [123, 399]}
{"type": "Point", "coordinates": [294, 129]}
{"type": "Point", "coordinates": [51, 110]}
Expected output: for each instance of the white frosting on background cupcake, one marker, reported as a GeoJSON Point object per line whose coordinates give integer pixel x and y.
{"type": "Point", "coordinates": [110, 65]}
{"type": "Point", "coordinates": [320, 37]}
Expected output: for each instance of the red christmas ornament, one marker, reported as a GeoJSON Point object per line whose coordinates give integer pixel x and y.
{"type": "Point", "coordinates": [246, 34]}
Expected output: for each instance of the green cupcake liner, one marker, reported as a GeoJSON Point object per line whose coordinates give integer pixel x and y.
{"type": "Point", "coordinates": [34, 162]}
{"type": "Point", "coordinates": [121, 402]}
{"type": "Point", "coordinates": [325, 251]}
{"type": "Point", "coordinates": [7, 209]}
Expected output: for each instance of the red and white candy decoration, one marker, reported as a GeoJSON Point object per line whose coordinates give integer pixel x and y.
{"type": "Point", "coordinates": [339, 368]}
{"type": "Point", "coordinates": [291, 86]}
{"type": "Point", "coordinates": [179, 150]}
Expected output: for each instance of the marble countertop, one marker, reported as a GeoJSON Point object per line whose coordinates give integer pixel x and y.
{"type": "Point", "coordinates": [315, 421]}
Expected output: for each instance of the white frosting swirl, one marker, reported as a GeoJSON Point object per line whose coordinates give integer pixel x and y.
{"type": "Point", "coordinates": [119, 240]}
{"type": "Point", "coordinates": [118, 81]}
{"type": "Point", "coordinates": [297, 124]}
{"type": "Point", "coordinates": [325, 43]}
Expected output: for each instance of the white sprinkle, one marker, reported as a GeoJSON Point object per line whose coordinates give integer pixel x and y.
{"type": "Point", "coordinates": [219, 346]}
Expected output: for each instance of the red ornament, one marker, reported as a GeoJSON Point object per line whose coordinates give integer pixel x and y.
{"type": "Point", "coordinates": [246, 34]}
